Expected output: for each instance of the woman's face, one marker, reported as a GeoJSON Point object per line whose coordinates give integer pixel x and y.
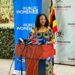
{"type": "Point", "coordinates": [42, 20]}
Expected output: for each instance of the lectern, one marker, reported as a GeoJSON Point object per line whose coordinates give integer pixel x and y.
{"type": "Point", "coordinates": [33, 54]}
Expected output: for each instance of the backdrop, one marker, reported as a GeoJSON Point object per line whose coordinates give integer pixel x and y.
{"type": "Point", "coordinates": [65, 37]}
{"type": "Point", "coordinates": [25, 12]}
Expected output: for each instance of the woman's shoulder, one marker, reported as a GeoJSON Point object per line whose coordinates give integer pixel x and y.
{"type": "Point", "coordinates": [49, 28]}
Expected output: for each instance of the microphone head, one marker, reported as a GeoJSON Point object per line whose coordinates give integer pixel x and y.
{"type": "Point", "coordinates": [42, 40]}
{"type": "Point", "coordinates": [27, 41]}
{"type": "Point", "coordinates": [34, 40]}
{"type": "Point", "coordinates": [21, 41]}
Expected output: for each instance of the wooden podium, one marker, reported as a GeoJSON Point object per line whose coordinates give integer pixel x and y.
{"type": "Point", "coordinates": [32, 54]}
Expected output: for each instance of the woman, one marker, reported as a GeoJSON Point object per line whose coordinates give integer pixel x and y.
{"type": "Point", "coordinates": [41, 27]}
{"type": "Point", "coordinates": [44, 35]}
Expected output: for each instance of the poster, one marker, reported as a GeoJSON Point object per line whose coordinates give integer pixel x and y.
{"type": "Point", "coordinates": [25, 12]}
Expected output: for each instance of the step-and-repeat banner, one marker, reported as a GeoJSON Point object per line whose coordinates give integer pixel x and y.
{"type": "Point", "coordinates": [25, 12]}
{"type": "Point", "coordinates": [65, 37]}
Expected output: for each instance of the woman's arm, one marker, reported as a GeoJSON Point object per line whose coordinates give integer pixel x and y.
{"type": "Point", "coordinates": [52, 37]}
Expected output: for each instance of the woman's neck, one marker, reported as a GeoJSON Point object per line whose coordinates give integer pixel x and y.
{"type": "Point", "coordinates": [42, 27]}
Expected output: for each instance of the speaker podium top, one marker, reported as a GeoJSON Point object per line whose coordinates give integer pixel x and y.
{"type": "Point", "coordinates": [35, 51]}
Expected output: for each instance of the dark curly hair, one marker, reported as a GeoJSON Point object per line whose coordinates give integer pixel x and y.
{"type": "Point", "coordinates": [37, 22]}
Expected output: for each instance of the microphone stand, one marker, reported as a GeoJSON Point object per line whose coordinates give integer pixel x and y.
{"type": "Point", "coordinates": [25, 43]}
{"type": "Point", "coordinates": [21, 64]}
{"type": "Point", "coordinates": [21, 58]}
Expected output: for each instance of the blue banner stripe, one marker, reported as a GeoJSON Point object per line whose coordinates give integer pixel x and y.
{"type": "Point", "coordinates": [25, 12]}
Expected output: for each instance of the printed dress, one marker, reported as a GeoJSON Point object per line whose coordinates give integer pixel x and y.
{"type": "Point", "coordinates": [38, 37]}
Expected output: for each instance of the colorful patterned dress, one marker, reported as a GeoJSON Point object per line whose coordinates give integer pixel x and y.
{"type": "Point", "coordinates": [43, 36]}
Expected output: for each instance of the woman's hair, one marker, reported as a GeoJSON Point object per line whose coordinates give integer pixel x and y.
{"type": "Point", "coordinates": [37, 22]}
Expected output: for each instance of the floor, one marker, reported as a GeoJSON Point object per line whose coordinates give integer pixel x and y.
{"type": "Point", "coordinates": [59, 69]}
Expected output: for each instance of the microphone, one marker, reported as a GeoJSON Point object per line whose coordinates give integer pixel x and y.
{"type": "Point", "coordinates": [24, 41]}
{"type": "Point", "coordinates": [21, 41]}
{"type": "Point", "coordinates": [42, 40]}
{"type": "Point", "coordinates": [27, 41]}
{"type": "Point", "coordinates": [34, 40]}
